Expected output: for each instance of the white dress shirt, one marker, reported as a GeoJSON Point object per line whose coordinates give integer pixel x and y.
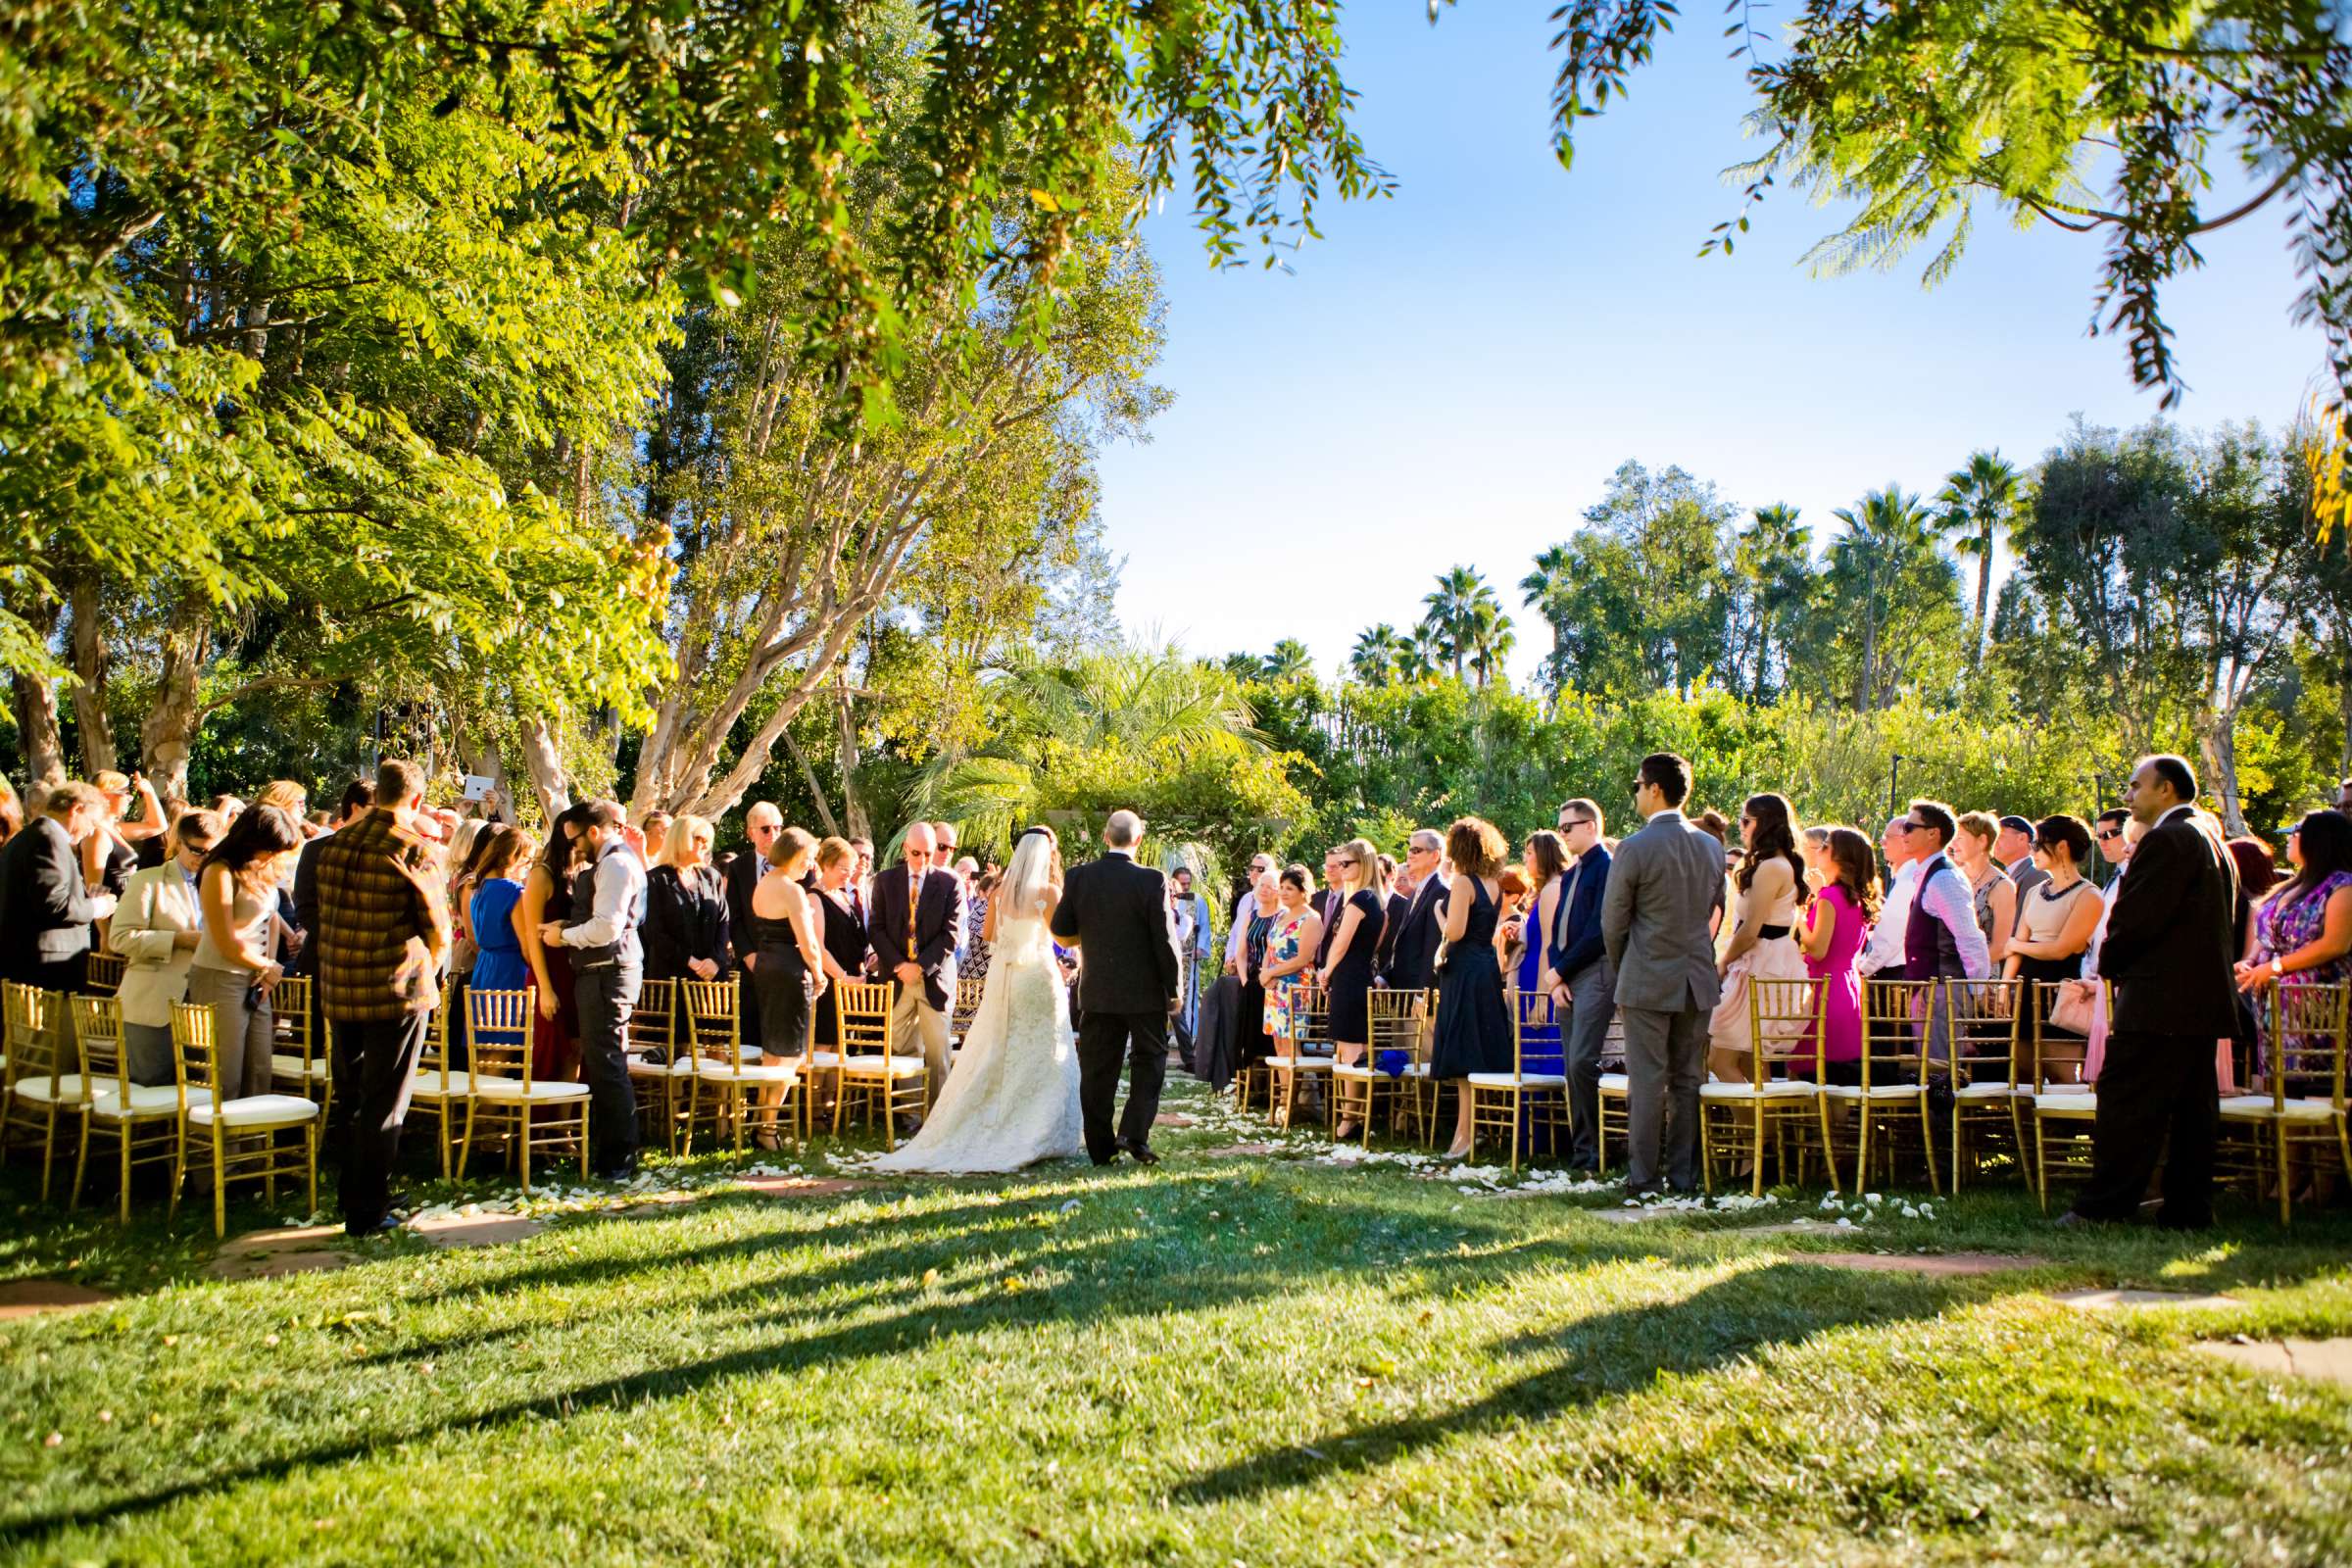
{"type": "Point", "coordinates": [1885, 947]}
{"type": "Point", "coordinates": [619, 882]}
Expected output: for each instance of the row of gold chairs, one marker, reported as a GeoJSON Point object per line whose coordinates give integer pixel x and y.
{"type": "Point", "coordinates": [1954, 1079]}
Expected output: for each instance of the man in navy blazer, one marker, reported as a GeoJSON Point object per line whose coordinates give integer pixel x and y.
{"type": "Point", "coordinates": [915, 921]}
{"type": "Point", "coordinates": [1580, 979]}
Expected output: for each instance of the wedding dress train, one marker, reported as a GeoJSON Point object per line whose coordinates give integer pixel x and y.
{"type": "Point", "coordinates": [1011, 1099]}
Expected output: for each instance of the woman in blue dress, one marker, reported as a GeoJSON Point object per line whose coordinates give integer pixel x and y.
{"type": "Point", "coordinates": [498, 964]}
{"type": "Point", "coordinates": [1473, 1032]}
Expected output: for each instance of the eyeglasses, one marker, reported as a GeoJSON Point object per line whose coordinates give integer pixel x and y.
{"type": "Point", "coordinates": [1342, 862]}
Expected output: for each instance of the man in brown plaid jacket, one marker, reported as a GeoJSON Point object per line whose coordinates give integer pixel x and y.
{"type": "Point", "coordinates": [383, 936]}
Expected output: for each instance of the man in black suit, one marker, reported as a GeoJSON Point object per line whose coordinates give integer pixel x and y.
{"type": "Point", "coordinates": [1117, 913]}
{"type": "Point", "coordinates": [2168, 953]}
{"type": "Point", "coordinates": [46, 910]}
{"type": "Point", "coordinates": [917, 919]}
{"type": "Point", "coordinates": [1413, 957]}
{"type": "Point", "coordinates": [740, 869]}
{"type": "Point", "coordinates": [1401, 888]}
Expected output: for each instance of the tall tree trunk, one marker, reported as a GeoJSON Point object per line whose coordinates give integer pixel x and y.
{"type": "Point", "coordinates": [36, 730]}
{"type": "Point", "coordinates": [2343, 708]}
{"type": "Point", "coordinates": [168, 733]}
{"type": "Point", "coordinates": [545, 765]}
{"type": "Point", "coordinates": [1984, 597]}
{"type": "Point", "coordinates": [479, 755]}
{"type": "Point", "coordinates": [846, 724]}
{"type": "Point", "coordinates": [2217, 741]}
{"type": "Point", "coordinates": [92, 727]}
{"type": "Point", "coordinates": [816, 791]}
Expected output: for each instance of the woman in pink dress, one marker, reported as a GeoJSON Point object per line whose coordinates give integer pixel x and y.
{"type": "Point", "coordinates": [1836, 926]}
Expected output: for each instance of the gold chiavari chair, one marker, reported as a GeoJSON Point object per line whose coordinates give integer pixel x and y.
{"type": "Point", "coordinates": [1985, 1024]}
{"type": "Point", "coordinates": [661, 1064]}
{"type": "Point", "coordinates": [868, 1070]}
{"type": "Point", "coordinates": [2303, 1106]}
{"type": "Point", "coordinates": [1519, 1099]}
{"type": "Point", "coordinates": [1396, 1020]}
{"type": "Point", "coordinates": [1899, 1018]}
{"type": "Point", "coordinates": [1613, 1096]}
{"type": "Point", "coordinates": [437, 1090]}
{"type": "Point", "coordinates": [104, 976]}
{"type": "Point", "coordinates": [296, 1065]}
{"type": "Point", "coordinates": [145, 1121]}
{"type": "Point", "coordinates": [2070, 1110]}
{"type": "Point", "coordinates": [44, 1081]}
{"type": "Point", "coordinates": [965, 1008]}
{"type": "Point", "coordinates": [1779, 1013]}
{"type": "Point", "coordinates": [242, 1135]}
{"type": "Point", "coordinates": [501, 1092]}
{"type": "Point", "coordinates": [723, 1068]}
{"type": "Point", "coordinates": [1295, 1059]}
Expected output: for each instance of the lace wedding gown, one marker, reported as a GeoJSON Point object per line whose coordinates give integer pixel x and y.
{"type": "Point", "coordinates": [1011, 1099]}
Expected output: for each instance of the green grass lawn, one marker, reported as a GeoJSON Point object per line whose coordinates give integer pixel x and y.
{"type": "Point", "coordinates": [1239, 1360]}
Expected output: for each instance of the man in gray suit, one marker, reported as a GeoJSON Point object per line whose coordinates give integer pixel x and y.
{"type": "Point", "coordinates": [1664, 883]}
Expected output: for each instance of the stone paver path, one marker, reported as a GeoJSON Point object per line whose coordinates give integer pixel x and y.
{"type": "Point", "coordinates": [271, 1253]}
{"type": "Point", "coordinates": [1942, 1266]}
{"type": "Point", "coordinates": [32, 1298]}
{"type": "Point", "coordinates": [2327, 1359]}
{"type": "Point", "coordinates": [798, 1186]}
{"type": "Point", "coordinates": [2094, 1300]}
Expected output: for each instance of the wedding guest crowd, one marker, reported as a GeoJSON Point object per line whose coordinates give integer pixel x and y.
{"type": "Point", "coordinates": [1657, 939]}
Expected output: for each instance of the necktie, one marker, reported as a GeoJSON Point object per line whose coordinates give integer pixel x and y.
{"type": "Point", "coordinates": [915, 894]}
{"type": "Point", "coordinates": [1559, 915]}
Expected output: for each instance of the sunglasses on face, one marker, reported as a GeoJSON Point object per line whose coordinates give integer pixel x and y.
{"type": "Point", "coordinates": [2108, 833]}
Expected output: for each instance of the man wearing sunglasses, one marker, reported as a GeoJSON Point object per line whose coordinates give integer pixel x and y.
{"type": "Point", "coordinates": [1941, 940]}
{"type": "Point", "coordinates": [1580, 979]}
{"type": "Point", "coordinates": [1883, 956]}
{"type": "Point", "coordinates": [1413, 956]}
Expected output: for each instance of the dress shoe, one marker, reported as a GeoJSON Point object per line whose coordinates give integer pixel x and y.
{"type": "Point", "coordinates": [625, 1171]}
{"type": "Point", "coordinates": [1142, 1156]}
{"type": "Point", "coordinates": [382, 1227]}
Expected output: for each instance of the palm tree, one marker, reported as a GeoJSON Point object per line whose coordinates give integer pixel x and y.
{"type": "Point", "coordinates": [1490, 640]}
{"type": "Point", "coordinates": [1776, 555]}
{"type": "Point", "coordinates": [1290, 661]}
{"type": "Point", "coordinates": [1135, 702]}
{"type": "Point", "coordinates": [1414, 661]}
{"type": "Point", "coordinates": [1544, 590]}
{"type": "Point", "coordinates": [1884, 535]}
{"type": "Point", "coordinates": [1377, 653]}
{"type": "Point", "coordinates": [1451, 622]}
{"type": "Point", "coordinates": [1978, 502]}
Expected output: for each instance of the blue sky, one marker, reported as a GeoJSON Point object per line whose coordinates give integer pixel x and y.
{"type": "Point", "coordinates": [1451, 375]}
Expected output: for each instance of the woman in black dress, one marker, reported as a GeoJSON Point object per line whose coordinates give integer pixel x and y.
{"type": "Point", "coordinates": [685, 907]}
{"type": "Point", "coordinates": [844, 945]}
{"type": "Point", "coordinates": [1348, 966]}
{"type": "Point", "coordinates": [786, 958]}
{"type": "Point", "coordinates": [1473, 1032]}
{"type": "Point", "coordinates": [1256, 913]}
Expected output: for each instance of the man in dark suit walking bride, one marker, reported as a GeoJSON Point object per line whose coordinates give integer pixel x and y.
{"type": "Point", "coordinates": [1117, 913]}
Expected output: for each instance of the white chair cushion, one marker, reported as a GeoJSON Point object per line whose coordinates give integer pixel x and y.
{"type": "Point", "coordinates": [1526, 1080]}
{"type": "Point", "coordinates": [884, 1066]}
{"type": "Point", "coordinates": [147, 1100]}
{"type": "Point", "coordinates": [288, 1065]}
{"type": "Point", "coordinates": [1418, 1069]}
{"type": "Point", "coordinates": [257, 1110]}
{"type": "Point", "coordinates": [1615, 1083]}
{"type": "Point", "coordinates": [758, 1072]}
{"type": "Point", "coordinates": [639, 1067]}
{"type": "Point", "coordinates": [1985, 1089]}
{"type": "Point", "coordinates": [437, 1083]}
{"type": "Point", "coordinates": [1875, 1091]}
{"type": "Point", "coordinates": [2076, 1100]}
{"type": "Point", "coordinates": [63, 1089]}
{"type": "Point", "coordinates": [1300, 1063]}
{"type": "Point", "coordinates": [2261, 1107]}
{"type": "Point", "coordinates": [1355, 1069]}
{"type": "Point", "coordinates": [1776, 1089]}
{"type": "Point", "coordinates": [516, 1089]}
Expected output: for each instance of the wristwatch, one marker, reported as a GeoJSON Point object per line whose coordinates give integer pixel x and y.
{"type": "Point", "coordinates": [2278, 971]}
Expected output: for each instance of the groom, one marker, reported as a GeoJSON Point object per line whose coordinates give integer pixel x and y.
{"type": "Point", "coordinates": [1117, 913]}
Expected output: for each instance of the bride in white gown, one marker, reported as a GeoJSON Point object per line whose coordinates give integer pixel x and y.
{"type": "Point", "coordinates": [1011, 1099]}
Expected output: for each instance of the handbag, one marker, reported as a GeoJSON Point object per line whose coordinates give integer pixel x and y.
{"type": "Point", "coordinates": [2076, 1010]}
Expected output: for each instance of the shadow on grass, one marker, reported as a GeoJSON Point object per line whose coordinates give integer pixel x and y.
{"type": "Point", "coordinates": [1604, 1356]}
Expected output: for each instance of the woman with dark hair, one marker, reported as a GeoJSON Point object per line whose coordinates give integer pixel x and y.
{"type": "Point", "coordinates": [1254, 932]}
{"type": "Point", "coordinates": [1472, 1029]}
{"type": "Point", "coordinates": [501, 858]}
{"type": "Point", "coordinates": [236, 964]}
{"type": "Point", "coordinates": [843, 933]}
{"type": "Point", "coordinates": [2055, 924]}
{"type": "Point", "coordinates": [1837, 923]}
{"type": "Point", "coordinates": [547, 897]}
{"type": "Point", "coordinates": [1291, 944]}
{"type": "Point", "coordinates": [1771, 889]}
{"type": "Point", "coordinates": [1544, 862]}
{"type": "Point", "coordinates": [2303, 928]}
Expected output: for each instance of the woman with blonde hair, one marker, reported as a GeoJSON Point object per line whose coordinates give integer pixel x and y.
{"type": "Point", "coordinates": [1347, 972]}
{"type": "Point", "coordinates": [1993, 893]}
{"type": "Point", "coordinates": [1473, 1030]}
{"type": "Point", "coordinates": [685, 905]}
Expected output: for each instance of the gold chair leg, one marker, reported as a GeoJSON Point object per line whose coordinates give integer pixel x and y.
{"type": "Point", "coordinates": [124, 1144]}
{"type": "Point", "coordinates": [310, 1139]}
{"type": "Point", "coordinates": [1926, 1139]}
{"type": "Point", "coordinates": [2286, 1191]}
{"type": "Point", "coordinates": [2041, 1161]}
{"type": "Point", "coordinates": [81, 1160]}
{"type": "Point", "coordinates": [220, 1185]}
